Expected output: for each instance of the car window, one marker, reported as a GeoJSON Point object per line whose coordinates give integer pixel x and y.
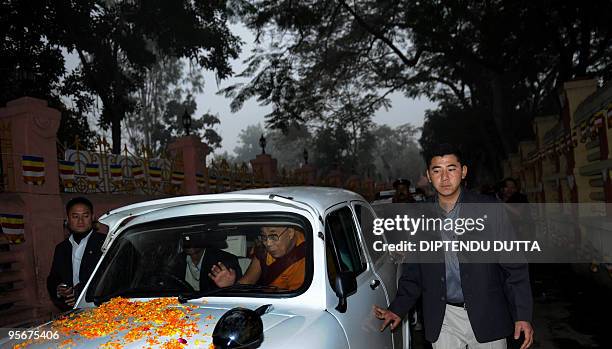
{"type": "Point", "coordinates": [365, 217]}
{"type": "Point", "coordinates": [175, 256]}
{"type": "Point", "coordinates": [341, 230]}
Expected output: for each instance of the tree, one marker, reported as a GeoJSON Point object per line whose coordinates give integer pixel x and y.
{"type": "Point", "coordinates": [217, 157]}
{"type": "Point", "coordinates": [328, 147]}
{"type": "Point", "coordinates": [166, 81]}
{"type": "Point", "coordinates": [159, 87]}
{"type": "Point", "coordinates": [32, 65]}
{"type": "Point", "coordinates": [503, 62]}
{"type": "Point", "coordinates": [73, 124]}
{"type": "Point", "coordinates": [377, 151]}
{"type": "Point", "coordinates": [452, 123]}
{"type": "Point", "coordinates": [117, 40]}
{"type": "Point", "coordinates": [397, 153]}
{"type": "Point", "coordinates": [316, 62]}
{"type": "Point", "coordinates": [288, 147]}
{"type": "Point", "coordinates": [248, 143]}
{"type": "Point", "coordinates": [171, 126]}
{"type": "Point", "coordinates": [499, 59]}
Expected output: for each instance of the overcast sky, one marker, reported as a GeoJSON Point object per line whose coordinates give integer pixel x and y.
{"type": "Point", "coordinates": [403, 110]}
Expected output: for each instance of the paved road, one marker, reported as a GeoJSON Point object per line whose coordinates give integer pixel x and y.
{"type": "Point", "coordinates": [572, 308]}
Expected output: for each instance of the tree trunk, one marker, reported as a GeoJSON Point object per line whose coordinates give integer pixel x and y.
{"type": "Point", "coordinates": [498, 111]}
{"type": "Point", "coordinates": [116, 134]}
{"type": "Point", "coordinates": [490, 154]}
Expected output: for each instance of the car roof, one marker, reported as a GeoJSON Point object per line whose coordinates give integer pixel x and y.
{"type": "Point", "coordinates": [320, 198]}
{"type": "Point", "coordinates": [317, 198]}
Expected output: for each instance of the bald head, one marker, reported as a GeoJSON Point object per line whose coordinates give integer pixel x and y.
{"type": "Point", "coordinates": [278, 240]}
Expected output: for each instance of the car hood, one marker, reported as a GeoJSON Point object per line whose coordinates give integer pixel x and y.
{"type": "Point", "coordinates": [200, 321]}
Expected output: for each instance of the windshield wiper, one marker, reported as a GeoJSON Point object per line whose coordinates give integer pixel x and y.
{"type": "Point", "coordinates": [183, 298]}
{"type": "Point", "coordinates": [123, 292]}
{"type": "Point", "coordinates": [105, 298]}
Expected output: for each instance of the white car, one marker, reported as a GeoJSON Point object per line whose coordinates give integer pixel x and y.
{"type": "Point", "coordinates": [132, 297]}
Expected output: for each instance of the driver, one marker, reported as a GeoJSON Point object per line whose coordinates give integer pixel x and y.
{"type": "Point", "coordinates": [281, 263]}
{"type": "Point", "coordinates": [198, 258]}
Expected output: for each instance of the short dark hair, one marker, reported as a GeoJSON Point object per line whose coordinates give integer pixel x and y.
{"type": "Point", "coordinates": [401, 181]}
{"type": "Point", "coordinates": [79, 200]}
{"type": "Point", "coordinates": [444, 149]}
{"type": "Point", "coordinates": [509, 179]}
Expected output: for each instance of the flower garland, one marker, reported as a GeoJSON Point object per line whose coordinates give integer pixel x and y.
{"type": "Point", "coordinates": [124, 321]}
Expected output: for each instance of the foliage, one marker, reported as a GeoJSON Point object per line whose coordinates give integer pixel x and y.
{"type": "Point", "coordinates": [217, 157]}
{"type": "Point", "coordinates": [166, 81]}
{"type": "Point", "coordinates": [171, 127]}
{"type": "Point", "coordinates": [451, 123]}
{"type": "Point", "coordinates": [248, 143]}
{"type": "Point", "coordinates": [287, 148]}
{"type": "Point", "coordinates": [120, 44]}
{"type": "Point", "coordinates": [117, 41]}
{"type": "Point", "coordinates": [345, 149]}
{"type": "Point", "coordinates": [31, 65]}
{"type": "Point", "coordinates": [499, 61]}
{"type": "Point", "coordinates": [160, 84]}
{"type": "Point", "coordinates": [381, 152]}
{"type": "Point", "coordinates": [72, 125]}
{"type": "Point", "coordinates": [397, 154]}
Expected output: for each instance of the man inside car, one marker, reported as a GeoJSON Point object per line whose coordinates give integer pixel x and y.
{"type": "Point", "coordinates": [200, 254]}
{"type": "Point", "coordinates": [280, 263]}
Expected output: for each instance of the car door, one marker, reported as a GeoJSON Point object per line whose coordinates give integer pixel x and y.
{"type": "Point", "coordinates": [383, 266]}
{"type": "Point", "coordinates": [345, 252]}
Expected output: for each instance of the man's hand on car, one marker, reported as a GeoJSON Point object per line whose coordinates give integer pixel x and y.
{"type": "Point", "coordinates": [388, 317]}
{"type": "Point", "coordinates": [222, 275]}
{"type": "Point", "coordinates": [66, 294]}
{"type": "Point", "coordinates": [525, 327]}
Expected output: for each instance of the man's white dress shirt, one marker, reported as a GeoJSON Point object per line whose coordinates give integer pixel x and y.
{"type": "Point", "coordinates": [78, 249]}
{"type": "Point", "coordinates": [192, 272]}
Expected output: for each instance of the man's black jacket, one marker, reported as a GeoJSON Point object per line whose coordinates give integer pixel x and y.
{"type": "Point", "coordinates": [61, 268]}
{"type": "Point", "coordinates": [211, 257]}
{"type": "Point", "coordinates": [495, 294]}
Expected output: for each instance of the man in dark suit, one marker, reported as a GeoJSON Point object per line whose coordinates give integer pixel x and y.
{"type": "Point", "coordinates": [402, 191]}
{"type": "Point", "coordinates": [76, 257]}
{"type": "Point", "coordinates": [473, 305]}
{"type": "Point", "coordinates": [200, 253]}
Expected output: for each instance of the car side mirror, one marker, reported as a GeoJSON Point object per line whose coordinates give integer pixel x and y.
{"type": "Point", "coordinates": [346, 285]}
{"type": "Point", "coordinates": [240, 328]}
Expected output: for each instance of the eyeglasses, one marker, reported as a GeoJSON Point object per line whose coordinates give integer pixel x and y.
{"type": "Point", "coordinates": [271, 237]}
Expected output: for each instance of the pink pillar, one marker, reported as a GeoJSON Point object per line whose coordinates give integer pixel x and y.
{"type": "Point", "coordinates": [266, 165]}
{"type": "Point", "coordinates": [309, 173]}
{"type": "Point", "coordinates": [334, 178]}
{"type": "Point", "coordinates": [33, 127]}
{"type": "Point", "coordinates": [192, 152]}
{"type": "Point", "coordinates": [33, 131]}
{"type": "Point", "coordinates": [369, 188]}
{"type": "Point", "coordinates": [353, 183]}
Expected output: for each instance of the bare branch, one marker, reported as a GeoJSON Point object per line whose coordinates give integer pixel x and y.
{"type": "Point", "coordinates": [410, 62]}
{"type": "Point", "coordinates": [459, 93]}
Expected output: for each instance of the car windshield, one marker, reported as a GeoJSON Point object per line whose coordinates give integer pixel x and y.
{"type": "Point", "coordinates": [247, 254]}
